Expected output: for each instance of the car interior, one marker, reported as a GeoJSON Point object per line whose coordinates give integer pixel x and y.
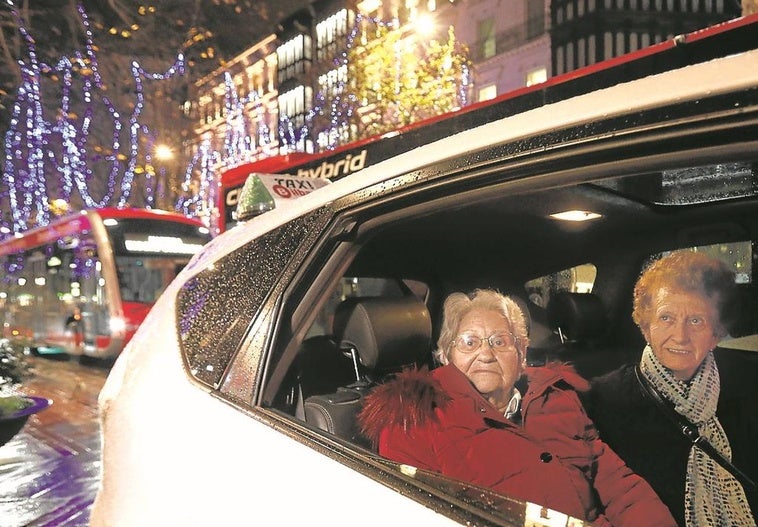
{"type": "Point", "coordinates": [375, 307]}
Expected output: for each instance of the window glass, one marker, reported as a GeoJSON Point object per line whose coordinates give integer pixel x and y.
{"type": "Point", "coordinates": [570, 57]}
{"type": "Point", "coordinates": [536, 76]}
{"type": "Point", "coordinates": [579, 279]}
{"type": "Point", "coordinates": [737, 255]}
{"type": "Point", "coordinates": [581, 48]}
{"type": "Point", "coordinates": [591, 50]}
{"type": "Point", "coordinates": [466, 247]}
{"type": "Point", "coordinates": [488, 92]}
{"type": "Point", "coordinates": [487, 37]}
{"type": "Point", "coordinates": [535, 18]}
{"type": "Point", "coordinates": [692, 185]}
{"type": "Point", "coordinates": [41, 287]}
{"type": "Point", "coordinates": [149, 254]}
{"type": "Point", "coordinates": [216, 307]}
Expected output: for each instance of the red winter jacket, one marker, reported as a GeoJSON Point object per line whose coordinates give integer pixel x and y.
{"type": "Point", "coordinates": [438, 421]}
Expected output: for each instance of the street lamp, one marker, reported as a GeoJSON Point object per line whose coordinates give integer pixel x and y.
{"type": "Point", "coordinates": [163, 152]}
{"type": "Point", "coordinates": [424, 25]}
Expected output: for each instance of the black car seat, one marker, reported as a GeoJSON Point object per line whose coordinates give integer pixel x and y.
{"type": "Point", "coordinates": [577, 318]}
{"type": "Point", "coordinates": [579, 323]}
{"type": "Point", "coordinates": [382, 335]}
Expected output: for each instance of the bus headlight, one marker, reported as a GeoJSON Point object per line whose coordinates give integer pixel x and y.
{"type": "Point", "coordinates": [117, 324]}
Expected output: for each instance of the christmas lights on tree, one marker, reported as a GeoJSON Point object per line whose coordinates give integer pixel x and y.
{"type": "Point", "coordinates": [51, 157]}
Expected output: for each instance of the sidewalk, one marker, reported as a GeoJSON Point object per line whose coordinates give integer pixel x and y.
{"type": "Point", "coordinates": [49, 472]}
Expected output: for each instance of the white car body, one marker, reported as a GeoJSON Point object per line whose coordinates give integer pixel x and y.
{"type": "Point", "coordinates": [175, 453]}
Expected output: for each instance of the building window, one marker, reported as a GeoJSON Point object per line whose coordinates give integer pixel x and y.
{"type": "Point", "coordinates": [607, 45]}
{"type": "Point", "coordinates": [581, 50]}
{"type": "Point", "coordinates": [535, 18]}
{"type": "Point", "coordinates": [368, 7]}
{"type": "Point", "coordinates": [620, 48]}
{"type": "Point", "coordinates": [331, 32]}
{"type": "Point", "coordinates": [487, 92]}
{"type": "Point", "coordinates": [294, 104]}
{"type": "Point", "coordinates": [292, 57]}
{"type": "Point", "coordinates": [591, 50]}
{"type": "Point", "coordinates": [332, 82]}
{"type": "Point", "coordinates": [560, 61]}
{"type": "Point", "coordinates": [336, 135]}
{"type": "Point", "coordinates": [293, 108]}
{"type": "Point", "coordinates": [412, 7]}
{"type": "Point", "coordinates": [536, 76]}
{"type": "Point", "coordinates": [487, 38]}
{"type": "Point", "coordinates": [570, 64]}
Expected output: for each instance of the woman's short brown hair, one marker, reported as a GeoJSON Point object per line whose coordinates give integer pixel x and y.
{"type": "Point", "coordinates": [458, 305]}
{"type": "Point", "coordinates": [689, 272]}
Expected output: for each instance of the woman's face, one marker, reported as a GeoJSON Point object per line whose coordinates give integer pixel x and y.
{"type": "Point", "coordinates": [492, 372]}
{"type": "Point", "coordinates": [681, 330]}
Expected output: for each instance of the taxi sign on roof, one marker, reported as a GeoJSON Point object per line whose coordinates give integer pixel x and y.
{"type": "Point", "coordinates": [263, 192]}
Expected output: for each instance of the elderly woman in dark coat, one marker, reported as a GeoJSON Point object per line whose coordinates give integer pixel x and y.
{"type": "Point", "coordinates": [468, 420]}
{"type": "Point", "coordinates": [680, 305]}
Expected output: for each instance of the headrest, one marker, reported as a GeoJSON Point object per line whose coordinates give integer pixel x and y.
{"type": "Point", "coordinates": [580, 316]}
{"type": "Point", "coordinates": [387, 332]}
{"type": "Point", "coordinates": [525, 310]}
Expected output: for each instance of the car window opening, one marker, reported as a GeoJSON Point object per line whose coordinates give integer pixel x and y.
{"type": "Point", "coordinates": [570, 322]}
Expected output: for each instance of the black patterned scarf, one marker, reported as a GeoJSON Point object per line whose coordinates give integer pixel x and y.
{"type": "Point", "coordinates": [713, 497]}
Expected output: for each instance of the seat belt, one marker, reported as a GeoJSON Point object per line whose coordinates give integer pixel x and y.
{"type": "Point", "coordinates": [691, 432]}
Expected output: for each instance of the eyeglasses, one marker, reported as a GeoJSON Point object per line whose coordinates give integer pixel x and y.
{"type": "Point", "coordinates": [468, 343]}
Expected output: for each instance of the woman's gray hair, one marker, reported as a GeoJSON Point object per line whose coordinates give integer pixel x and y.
{"type": "Point", "coordinates": [458, 305]}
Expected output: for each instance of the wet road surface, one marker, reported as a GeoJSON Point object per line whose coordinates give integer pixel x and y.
{"type": "Point", "coordinates": [49, 472]}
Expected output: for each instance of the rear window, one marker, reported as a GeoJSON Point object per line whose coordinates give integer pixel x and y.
{"type": "Point", "coordinates": [216, 307]}
{"type": "Point", "coordinates": [737, 255]}
{"type": "Point", "coordinates": [577, 279]}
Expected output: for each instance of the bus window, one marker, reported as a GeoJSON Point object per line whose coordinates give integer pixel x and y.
{"type": "Point", "coordinates": [150, 254]}
{"type": "Point", "coordinates": [144, 279]}
{"type": "Point", "coordinates": [46, 284]}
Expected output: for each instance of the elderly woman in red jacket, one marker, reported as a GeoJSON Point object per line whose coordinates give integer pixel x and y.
{"type": "Point", "coordinates": [479, 419]}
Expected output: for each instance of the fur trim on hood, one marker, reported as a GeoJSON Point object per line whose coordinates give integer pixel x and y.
{"type": "Point", "coordinates": [408, 400]}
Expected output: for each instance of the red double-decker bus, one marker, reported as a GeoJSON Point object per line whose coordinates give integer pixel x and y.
{"type": "Point", "coordinates": [83, 284]}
